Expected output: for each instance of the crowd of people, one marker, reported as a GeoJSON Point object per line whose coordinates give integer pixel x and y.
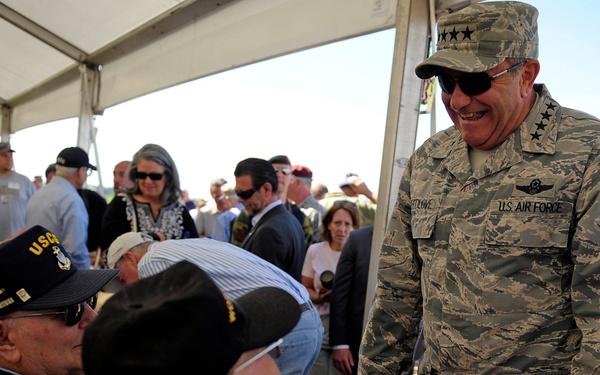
{"type": "Point", "coordinates": [490, 261]}
{"type": "Point", "coordinates": [148, 227]}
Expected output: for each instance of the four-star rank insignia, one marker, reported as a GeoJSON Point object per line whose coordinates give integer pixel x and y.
{"type": "Point", "coordinates": [537, 131]}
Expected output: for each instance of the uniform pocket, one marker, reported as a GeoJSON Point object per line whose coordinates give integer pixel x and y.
{"type": "Point", "coordinates": [529, 223]}
{"type": "Point", "coordinates": [424, 212]}
{"type": "Point", "coordinates": [523, 266]}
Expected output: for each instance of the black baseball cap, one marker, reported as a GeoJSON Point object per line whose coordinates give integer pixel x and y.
{"type": "Point", "coordinates": [36, 273]}
{"type": "Point", "coordinates": [74, 157]}
{"type": "Point", "coordinates": [179, 319]}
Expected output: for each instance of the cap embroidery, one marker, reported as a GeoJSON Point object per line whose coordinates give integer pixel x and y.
{"type": "Point", "coordinates": [64, 263]}
{"type": "Point", "coordinates": [230, 308]}
{"type": "Point", "coordinates": [458, 33]}
{"type": "Point", "coordinates": [43, 242]}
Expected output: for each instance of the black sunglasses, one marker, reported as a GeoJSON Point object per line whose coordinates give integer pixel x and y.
{"type": "Point", "coordinates": [73, 313]}
{"type": "Point", "coordinates": [246, 193]}
{"type": "Point", "coordinates": [153, 176]}
{"type": "Point", "coordinates": [471, 83]}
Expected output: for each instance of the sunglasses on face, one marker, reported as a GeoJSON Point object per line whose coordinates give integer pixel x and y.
{"type": "Point", "coordinates": [246, 193]}
{"type": "Point", "coordinates": [153, 176]}
{"type": "Point", "coordinates": [73, 313]}
{"type": "Point", "coordinates": [471, 83]}
{"type": "Point", "coordinates": [285, 170]}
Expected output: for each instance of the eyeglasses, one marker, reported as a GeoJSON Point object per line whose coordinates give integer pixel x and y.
{"type": "Point", "coordinates": [273, 350]}
{"type": "Point", "coordinates": [471, 83]}
{"type": "Point", "coordinates": [87, 170]}
{"type": "Point", "coordinates": [246, 193]}
{"type": "Point", "coordinates": [73, 314]}
{"type": "Point", "coordinates": [285, 170]}
{"type": "Point", "coordinates": [153, 176]}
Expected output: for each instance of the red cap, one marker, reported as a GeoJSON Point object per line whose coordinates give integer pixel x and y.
{"type": "Point", "coordinates": [301, 171]}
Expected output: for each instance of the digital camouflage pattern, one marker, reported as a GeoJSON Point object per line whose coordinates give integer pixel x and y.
{"type": "Point", "coordinates": [481, 36]}
{"type": "Point", "coordinates": [503, 262]}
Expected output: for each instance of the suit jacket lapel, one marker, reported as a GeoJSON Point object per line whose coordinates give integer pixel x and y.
{"type": "Point", "coordinates": [262, 220]}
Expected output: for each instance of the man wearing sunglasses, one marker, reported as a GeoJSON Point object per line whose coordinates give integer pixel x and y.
{"type": "Point", "coordinates": [283, 170]}
{"type": "Point", "coordinates": [45, 305]}
{"type": "Point", "coordinates": [275, 234]}
{"type": "Point", "coordinates": [495, 238]}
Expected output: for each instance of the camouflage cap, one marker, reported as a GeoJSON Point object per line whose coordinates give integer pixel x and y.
{"type": "Point", "coordinates": [481, 36]}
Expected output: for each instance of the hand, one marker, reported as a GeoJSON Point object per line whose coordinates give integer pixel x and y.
{"type": "Point", "coordinates": [360, 187]}
{"type": "Point", "coordinates": [343, 361]}
{"type": "Point", "coordinates": [322, 296]}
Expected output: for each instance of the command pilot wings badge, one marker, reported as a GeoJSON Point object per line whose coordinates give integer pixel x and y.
{"type": "Point", "coordinates": [534, 187]}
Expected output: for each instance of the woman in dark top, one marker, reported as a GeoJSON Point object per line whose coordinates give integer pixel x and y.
{"type": "Point", "coordinates": [151, 204]}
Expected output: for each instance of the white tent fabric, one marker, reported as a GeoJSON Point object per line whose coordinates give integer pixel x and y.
{"type": "Point", "coordinates": [142, 46]}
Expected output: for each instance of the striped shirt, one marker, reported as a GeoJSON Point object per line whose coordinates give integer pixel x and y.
{"type": "Point", "coordinates": [235, 271]}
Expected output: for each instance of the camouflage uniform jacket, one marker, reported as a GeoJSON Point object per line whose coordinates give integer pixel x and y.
{"type": "Point", "coordinates": [503, 262]}
{"type": "Point", "coordinates": [315, 212]}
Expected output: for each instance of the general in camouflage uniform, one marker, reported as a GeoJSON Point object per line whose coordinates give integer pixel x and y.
{"type": "Point", "coordinates": [500, 257]}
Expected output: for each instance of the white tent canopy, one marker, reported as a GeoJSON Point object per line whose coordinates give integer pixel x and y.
{"type": "Point", "coordinates": [127, 49]}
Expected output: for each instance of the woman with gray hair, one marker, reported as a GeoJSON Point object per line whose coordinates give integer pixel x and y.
{"type": "Point", "coordinates": [151, 204]}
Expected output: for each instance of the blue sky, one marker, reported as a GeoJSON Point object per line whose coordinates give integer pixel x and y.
{"type": "Point", "coordinates": [325, 108]}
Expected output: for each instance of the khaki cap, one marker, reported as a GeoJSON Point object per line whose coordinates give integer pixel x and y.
{"type": "Point", "coordinates": [481, 36]}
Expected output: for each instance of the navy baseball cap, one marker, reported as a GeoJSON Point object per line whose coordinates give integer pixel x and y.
{"type": "Point", "coordinates": [74, 157]}
{"type": "Point", "coordinates": [36, 273]}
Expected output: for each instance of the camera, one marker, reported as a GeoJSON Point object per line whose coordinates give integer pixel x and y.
{"type": "Point", "coordinates": [327, 279]}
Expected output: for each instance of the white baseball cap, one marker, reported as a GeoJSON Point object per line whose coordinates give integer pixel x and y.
{"type": "Point", "coordinates": [123, 244]}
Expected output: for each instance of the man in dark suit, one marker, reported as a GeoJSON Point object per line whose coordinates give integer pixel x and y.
{"type": "Point", "coordinates": [347, 303]}
{"type": "Point", "coordinates": [276, 235]}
